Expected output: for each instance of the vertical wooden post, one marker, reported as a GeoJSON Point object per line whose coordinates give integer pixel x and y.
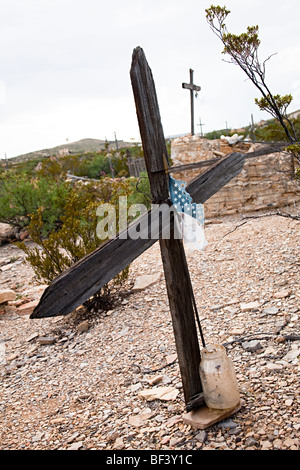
{"type": "Point", "coordinates": [177, 277]}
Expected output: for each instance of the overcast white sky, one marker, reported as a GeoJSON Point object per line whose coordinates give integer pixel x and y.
{"type": "Point", "coordinates": [64, 66]}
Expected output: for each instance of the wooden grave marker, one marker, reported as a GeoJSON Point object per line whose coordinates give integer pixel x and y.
{"type": "Point", "coordinates": [192, 87]}
{"type": "Point", "coordinates": [78, 283]}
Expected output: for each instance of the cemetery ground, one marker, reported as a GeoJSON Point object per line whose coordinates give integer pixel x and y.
{"type": "Point", "coordinates": [110, 379]}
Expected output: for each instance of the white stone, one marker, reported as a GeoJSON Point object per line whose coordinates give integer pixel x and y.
{"type": "Point", "coordinates": [245, 307]}
{"type": "Point", "coordinates": [145, 281]}
{"type": "Point", "coordinates": [6, 231]}
{"type": "Point", "coordinates": [272, 366]}
{"type": "Point", "coordinates": [159, 393]}
{"type": "Point", "coordinates": [252, 346]}
{"type": "Point", "coordinates": [292, 355]}
{"type": "Point", "coordinates": [76, 445]}
{"type": "Point", "coordinates": [237, 331]}
{"type": "Point", "coordinates": [270, 311]}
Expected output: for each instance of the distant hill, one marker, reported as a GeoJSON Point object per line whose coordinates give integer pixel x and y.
{"type": "Point", "coordinates": [81, 146]}
{"type": "Point", "coordinates": [94, 145]}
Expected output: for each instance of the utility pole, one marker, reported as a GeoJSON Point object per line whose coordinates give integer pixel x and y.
{"type": "Point", "coordinates": [252, 134]}
{"type": "Point", "coordinates": [227, 130]}
{"type": "Point", "coordinates": [200, 124]}
{"type": "Point", "coordinates": [116, 140]}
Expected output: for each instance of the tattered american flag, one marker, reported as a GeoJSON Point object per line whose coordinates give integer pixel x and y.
{"type": "Point", "coordinates": [191, 215]}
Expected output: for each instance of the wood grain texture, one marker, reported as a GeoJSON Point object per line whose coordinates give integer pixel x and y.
{"type": "Point", "coordinates": [265, 150]}
{"type": "Point", "coordinates": [175, 266]}
{"type": "Point", "coordinates": [216, 177]}
{"type": "Point", "coordinates": [148, 114]}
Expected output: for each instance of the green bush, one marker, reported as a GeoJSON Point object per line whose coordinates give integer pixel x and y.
{"type": "Point", "coordinates": [140, 190]}
{"type": "Point", "coordinates": [61, 216]}
{"type": "Point", "coordinates": [273, 131]}
{"type": "Point", "coordinates": [217, 134]}
{"type": "Point", "coordinates": [76, 236]}
{"type": "Point", "coordinates": [63, 247]}
{"type": "Point", "coordinates": [20, 197]}
{"type": "Point", "coordinates": [98, 166]}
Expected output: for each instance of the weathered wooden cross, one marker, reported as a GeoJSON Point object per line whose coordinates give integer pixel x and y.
{"type": "Point", "coordinates": [77, 284]}
{"type": "Point", "coordinates": [190, 86]}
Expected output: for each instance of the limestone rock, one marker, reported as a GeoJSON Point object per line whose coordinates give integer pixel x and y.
{"type": "Point", "coordinates": [145, 281]}
{"type": "Point", "coordinates": [251, 346]}
{"type": "Point", "coordinates": [292, 355]}
{"type": "Point", "coordinates": [83, 326]}
{"type": "Point", "coordinates": [27, 309]}
{"type": "Point", "coordinates": [154, 380]}
{"type": "Point", "coordinates": [247, 307]}
{"type": "Point", "coordinates": [258, 186]}
{"type": "Point", "coordinates": [237, 331]}
{"type": "Point", "coordinates": [119, 444]}
{"type": "Point", "coordinates": [6, 296]}
{"type": "Point", "coordinates": [7, 233]}
{"type": "Point", "coordinates": [282, 294]}
{"type": "Point", "coordinates": [273, 367]}
{"type": "Point", "coordinates": [46, 340]}
{"type": "Point", "coordinates": [159, 393]}
{"type": "Point", "coordinates": [270, 311]}
{"type": "Point", "coordinates": [136, 421]}
{"type": "Point", "coordinates": [76, 445]}
{"type": "Point", "coordinates": [170, 358]}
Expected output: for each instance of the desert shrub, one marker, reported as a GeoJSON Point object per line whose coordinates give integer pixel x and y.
{"type": "Point", "coordinates": [21, 196]}
{"type": "Point", "coordinates": [140, 193]}
{"type": "Point", "coordinates": [272, 130]}
{"type": "Point", "coordinates": [119, 163]}
{"type": "Point", "coordinates": [216, 134]}
{"type": "Point", "coordinates": [98, 166]}
{"type": "Point", "coordinates": [63, 247]}
{"type": "Point", "coordinates": [76, 236]}
{"type": "Point", "coordinates": [61, 216]}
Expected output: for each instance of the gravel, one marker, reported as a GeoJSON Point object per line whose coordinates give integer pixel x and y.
{"type": "Point", "coordinates": [75, 382]}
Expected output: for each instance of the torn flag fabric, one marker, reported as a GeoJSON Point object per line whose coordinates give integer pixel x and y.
{"type": "Point", "coordinates": [191, 215]}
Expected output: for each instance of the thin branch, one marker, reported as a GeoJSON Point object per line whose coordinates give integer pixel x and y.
{"type": "Point", "coordinates": [278, 213]}
{"type": "Point", "coordinates": [245, 219]}
{"type": "Point", "coordinates": [235, 228]}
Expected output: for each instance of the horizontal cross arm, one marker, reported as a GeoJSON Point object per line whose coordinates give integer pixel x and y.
{"type": "Point", "coordinates": [257, 153]}
{"type": "Point", "coordinates": [190, 86]}
{"type": "Point", "coordinates": [82, 280]}
{"type": "Point", "coordinates": [88, 275]}
{"type": "Point", "coordinates": [213, 179]}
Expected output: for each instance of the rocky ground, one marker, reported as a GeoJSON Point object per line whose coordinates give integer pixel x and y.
{"type": "Point", "coordinates": [78, 382]}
